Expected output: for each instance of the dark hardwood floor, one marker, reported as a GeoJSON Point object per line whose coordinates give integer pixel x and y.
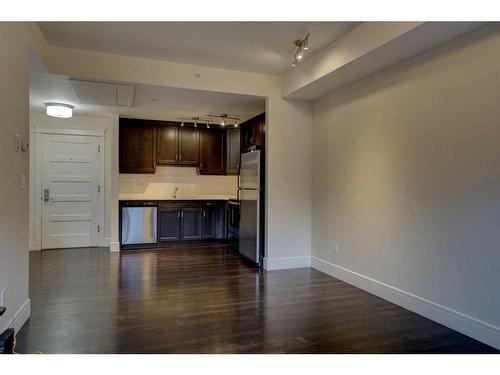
{"type": "Point", "coordinates": [205, 299]}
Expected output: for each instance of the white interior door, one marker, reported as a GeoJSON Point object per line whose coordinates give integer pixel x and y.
{"type": "Point", "coordinates": [70, 184]}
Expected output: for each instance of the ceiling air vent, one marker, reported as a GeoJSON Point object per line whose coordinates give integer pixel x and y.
{"type": "Point", "coordinates": [104, 93]}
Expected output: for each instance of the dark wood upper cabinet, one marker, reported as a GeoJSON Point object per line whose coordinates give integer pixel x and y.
{"type": "Point", "coordinates": [212, 151]}
{"type": "Point", "coordinates": [137, 146]}
{"type": "Point", "coordinates": [147, 143]}
{"type": "Point", "coordinates": [252, 133]}
{"type": "Point", "coordinates": [233, 151]}
{"type": "Point", "coordinates": [167, 144]}
{"type": "Point", "coordinates": [189, 146]}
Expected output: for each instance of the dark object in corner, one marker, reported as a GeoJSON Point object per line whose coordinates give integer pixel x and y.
{"type": "Point", "coordinates": [7, 342]}
{"type": "Point", "coordinates": [2, 310]}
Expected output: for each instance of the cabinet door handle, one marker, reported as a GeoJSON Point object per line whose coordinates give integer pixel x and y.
{"type": "Point", "coordinates": [180, 157]}
{"type": "Point", "coordinates": [178, 214]}
{"type": "Point", "coordinates": [204, 213]}
{"type": "Point", "coordinates": [182, 214]}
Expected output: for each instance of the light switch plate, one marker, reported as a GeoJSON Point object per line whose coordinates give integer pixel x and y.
{"type": "Point", "coordinates": [282, 184]}
{"type": "Point", "coordinates": [335, 248]}
{"type": "Point", "coordinates": [22, 182]}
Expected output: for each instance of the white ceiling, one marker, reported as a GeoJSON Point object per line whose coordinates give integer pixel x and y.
{"type": "Point", "coordinates": [152, 102]}
{"type": "Point", "coordinates": [262, 47]}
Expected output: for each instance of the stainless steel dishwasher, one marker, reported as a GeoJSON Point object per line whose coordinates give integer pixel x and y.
{"type": "Point", "coordinates": [139, 223]}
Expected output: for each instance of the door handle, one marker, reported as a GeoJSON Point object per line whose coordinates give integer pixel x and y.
{"type": "Point", "coordinates": [46, 195]}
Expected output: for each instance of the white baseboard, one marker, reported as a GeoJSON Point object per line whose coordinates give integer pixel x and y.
{"type": "Point", "coordinates": [20, 317]}
{"type": "Point", "coordinates": [286, 263]}
{"type": "Point", "coordinates": [475, 328]}
{"type": "Point", "coordinates": [107, 242]}
{"type": "Point", "coordinates": [114, 246]}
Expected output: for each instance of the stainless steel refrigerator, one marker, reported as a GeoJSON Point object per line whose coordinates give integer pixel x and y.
{"type": "Point", "coordinates": [251, 196]}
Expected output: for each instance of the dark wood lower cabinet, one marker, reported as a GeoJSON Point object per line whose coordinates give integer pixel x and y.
{"type": "Point", "coordinates": [210, 220]}
{"type": "Point", "coordinates": [169, 224]}
{"type": "Point", "coordinates": [191, 220]}
{"type": "Point", "coordinates": [233, 218]}
{"type": "Point", "coordinates": [191, 223]}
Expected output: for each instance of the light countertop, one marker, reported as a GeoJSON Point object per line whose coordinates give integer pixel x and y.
{"type": "Point", "coordinates": [160, 197]}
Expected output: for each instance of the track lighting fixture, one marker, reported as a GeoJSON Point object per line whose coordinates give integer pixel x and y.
{"type": "Point", "coordinates": [302, 45]}
{"type": "Point", "coordinates": [209, 120]}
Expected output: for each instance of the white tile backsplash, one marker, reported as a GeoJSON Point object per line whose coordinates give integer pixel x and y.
{"type": "Point", "coordinates": [166, 179]}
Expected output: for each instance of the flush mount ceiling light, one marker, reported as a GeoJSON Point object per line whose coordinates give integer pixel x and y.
{"type": "Point", "coordinates": [302, 45]}
{"type": "Point", "coordinates": [59, 110]}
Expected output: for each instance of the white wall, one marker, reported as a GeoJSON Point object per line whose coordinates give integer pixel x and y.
{"type": "Point", "coordinates": [406, 179]}
{"type": "Point", "coordinates": [14, 120]}
{"type": "Point", "coordinates": [288, 137]}
{"type": "Point", "coordinates": [76, 122]}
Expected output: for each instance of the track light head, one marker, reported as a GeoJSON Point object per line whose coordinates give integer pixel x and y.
{"type": "Point", "coordinates": [305, 42]}
{"type": "Point", "coordinates": [302, 45]}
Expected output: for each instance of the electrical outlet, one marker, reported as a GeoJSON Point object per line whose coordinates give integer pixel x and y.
{"type": "Point", "coordinates": [2, 299]}
{"type": "Point", "coordinates": [335, 248]}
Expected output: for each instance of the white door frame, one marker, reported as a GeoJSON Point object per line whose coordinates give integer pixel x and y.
{"type": "Point", "coordinates": [39, 131]}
